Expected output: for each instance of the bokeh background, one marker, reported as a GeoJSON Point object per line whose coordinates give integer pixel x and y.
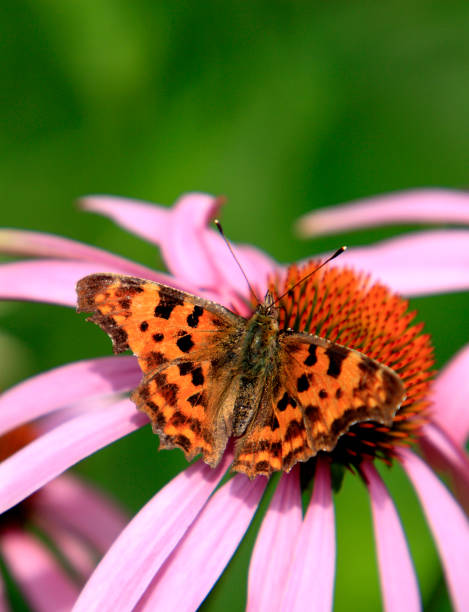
{"type": "Point", "coordinates": [282, 107]}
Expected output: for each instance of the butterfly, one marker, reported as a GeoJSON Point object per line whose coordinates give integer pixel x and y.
{"type": "Point", "coordinates": [210, 374]}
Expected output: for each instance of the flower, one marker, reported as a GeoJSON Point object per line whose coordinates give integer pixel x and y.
{"type": "Point", "coordinates": [201, 525]}
{"type": "Point", "coordinates": [50, 541]}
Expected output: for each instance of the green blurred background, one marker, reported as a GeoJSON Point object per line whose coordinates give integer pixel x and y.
{"type": "Point", "coordinates": [282, 107]}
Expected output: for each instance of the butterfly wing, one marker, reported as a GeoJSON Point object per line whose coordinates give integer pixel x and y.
{"type": "Point", "coordinates": [322, 390]}
{"type": "Point", "coordinates": [178, 339]}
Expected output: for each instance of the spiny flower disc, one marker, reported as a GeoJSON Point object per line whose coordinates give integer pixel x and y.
{"type": "Point", "coordinates": [343, 306]}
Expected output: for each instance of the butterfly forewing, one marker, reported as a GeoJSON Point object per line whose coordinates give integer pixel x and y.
{"type": "Point", "coordinates": [336, 386]}
{"type": "Point", "coordinates": [178, 339]}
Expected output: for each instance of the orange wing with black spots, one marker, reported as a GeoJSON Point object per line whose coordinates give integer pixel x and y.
{"type": "Point", "coordinates": [322, 390]}
{"type": "Point", "coordinates": [177, 338]}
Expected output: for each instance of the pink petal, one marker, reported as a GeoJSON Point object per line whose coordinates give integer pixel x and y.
{"type": "Point", "coordinates": [149, 221]}
{"type": "Point", "coordinates": [418, 206]}
{"type": "Point", "coordinates": [65, 385]}
{"type": "Point", "coordinates": [177, 230]}
{"type": "Point", "coordinates": [37, 244]}
{"type": "Point", "coordinates": [312, 571]}
{"type": "Point", "coordinates": [192, 253]}
{"type": "Point", "coordinates": [54, 452]}
{"type": "Point", "coordinates": [418, 263]}
{"type": "Point", "coordinates": [451, 397]}
{"type": "Point", "coordinates": [209, 543]}
{"type": "Point", "coordinates": [121, 578]}
{"type": "Point", "coordinates": [399, 586]}
{"type": "Point", "coordinates": [40, 578]}
{"type": "Point", "coordinates": [442, 453]}
{"type": "Point", "coordinates": [51, 280]}
{"type": "Point", "coordinates": [83, 509]}
{"type": "Point", "coordinates": [448, 523]}
{"type": "Point", "coordinates": [279, 532]}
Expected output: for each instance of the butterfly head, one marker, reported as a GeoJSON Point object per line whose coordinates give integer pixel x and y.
{"type": "Point", "coordinates": [267, 307]}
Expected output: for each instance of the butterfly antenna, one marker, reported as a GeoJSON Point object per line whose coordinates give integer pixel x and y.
{"type": "Point", "coordinates": [302, 280]}
{"type": "Point", "coordinates": [220, 229]}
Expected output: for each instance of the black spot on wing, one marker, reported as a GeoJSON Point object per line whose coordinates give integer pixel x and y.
{"type": "Point", "coordinates": [311, 359]}
{"type": "Point", "coordinates": [302, 384]}
{"type": "Point", "coordinates": [285, 401]}
{"type": "Point", "coordinates": [197, 377]}
{"type": "Point", "coordinates": [168, 301]}
{"type": "Point", "coordinates": [336, 355]}
{"type": "Point", "coordinates": [274, 424]}
{"type": "Point", "coordinates": [193, 318]}
{"type": "Point", "coordinates": [185, 343]}
{"type": "Point", "coordinates": [185, 367]}
{"type": "Point", "coordinates": [143, 326]}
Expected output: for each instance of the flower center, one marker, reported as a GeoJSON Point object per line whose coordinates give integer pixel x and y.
{"type": "Point", "coordinates": [343, 306]}
{"type": "Point", "coordinates": [10, 443]}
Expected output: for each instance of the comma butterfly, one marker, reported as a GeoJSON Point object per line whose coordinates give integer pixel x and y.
{"type": "Point", "coordinates": [210, 374]}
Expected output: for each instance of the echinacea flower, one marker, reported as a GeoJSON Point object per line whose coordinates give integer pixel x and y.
{"type": "Point", "coordinates": [199, 526]}
{"type": "Point", "coordinates": [50, 542]}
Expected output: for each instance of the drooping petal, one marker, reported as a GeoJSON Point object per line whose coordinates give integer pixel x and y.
{"type": "Point", "coordinates": [417, 264]}
{"type": "Point", "coordinates": [399, 586]}
{"type": "Point", "coordinates": [449, 525]}
{"type": "Point", "coordinates": [83, 509]}
{"type": "Point", "coordinates": [149, 221]}
{"type": "Point", "coordinates": [36, 244]}
{"type": "Point", "coordinates": [65, 385]}
{"type": "Point", "coordinates": [43, 582]}
{"type": "Point", "coordinates": [275, 544]}
{"type": "Point", "coordinates": [442, 453]}
{"type": "Point", "coordinates": [209, 543]}
{"type": "Point", "coordinates": [450, 407]}
{"type": "Point", "coordinates": [54, 281]}
{"type": "Point", "coordinates": [312, 571]}
{"type": "Point", "coordinates": [192, 252]}
{"type": "Point", "coordinates": [416, 206]}
{"type": "Point", "coordinates": [55, 451]}
{"type": "Point", "coordinates": [125, 572]}
{"type": "Point", "coordinates": [176, 230]}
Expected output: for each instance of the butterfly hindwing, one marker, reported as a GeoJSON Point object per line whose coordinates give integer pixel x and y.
{"type": "Point", "coordinates": [177, 339]}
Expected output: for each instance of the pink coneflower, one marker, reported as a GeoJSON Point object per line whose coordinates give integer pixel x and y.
{"type": "Point", "coordinates": [51, 541]}
{"type": "Point", "coordinates": [176, 547]}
